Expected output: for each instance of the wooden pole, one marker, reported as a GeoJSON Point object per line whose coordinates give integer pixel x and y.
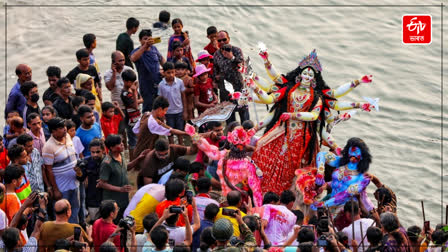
{"type": "Point", "coordinates": [423, 212]}
{"type": "Point", "coordinates": [353, 219]}
{"type": "Point", "coordinates": [446, 215]}
{"type": "Point", "coordinates": [362, 235]}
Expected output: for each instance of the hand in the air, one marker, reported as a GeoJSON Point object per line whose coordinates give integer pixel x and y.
{"type": "Point", "coordinates": [367, 107]}
{"type": "Point", "coordinates": [366, 79]}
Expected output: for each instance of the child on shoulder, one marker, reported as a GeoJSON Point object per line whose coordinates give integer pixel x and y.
{"type": "Point", "coordinates": [111, 120]}
{"type": "Point", "coordinates": [173, 90]}
{"type": "Point", "coordinates": [178, 56]}
{"type": "Point", "coordinates": [181, 36]}
{"type": "Point", "coordinates": [204, 97]}
{"type": "Point", "coordinates": [181, 73]}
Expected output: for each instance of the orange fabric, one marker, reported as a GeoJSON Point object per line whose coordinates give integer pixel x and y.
{"type": "Point", "coordinates": [10, 205]}
{"type": "Point", "coordinates": [110, 126]}
{"type": "Point", "coordinates": [167, 203]}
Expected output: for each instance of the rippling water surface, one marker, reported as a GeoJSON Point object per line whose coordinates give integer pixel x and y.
{"type": "Point", "coordinates": [404, 137]}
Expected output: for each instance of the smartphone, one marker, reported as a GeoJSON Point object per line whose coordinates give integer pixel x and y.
{"type": "Point", "coordinates": [157, 40]}
{"type": "Point", "coordinates": [76, 233]}
{"type": "Point", "coordinates": [189, 195]}
{"type": "Point", "coordinates": [228, 212]}
{"type": "Point", "coordinates": [426, 226]}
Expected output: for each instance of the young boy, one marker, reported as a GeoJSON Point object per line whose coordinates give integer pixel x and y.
{"type": "Point", "coordinates": [63, 102]}
{"type": "Point", "coordinates": [90, 101]}
{"type": "Point", "coordinates": [77, 102]}
{"type": "Point", "coordinates": [178, 55]}
{"type": "Point", "coordinates": [51, 93]}
{"type": "Point", "coordinates": [31, 93]}
{"type": "Point", "coordinates": [91, 170]}
{"type": "Point", "coordinates": [152, 125]}
{"type": "Point", "coordinates": [83, 57]}
{"type": "Point", "coordinates": [110, 121]}
{"type": "Point", "coordinates": [89, 41]}
{"type": "Point", "coordinates": [89, 129]}
{"type": "Point", "coordinates": [164, 19]}
{"type": "Point", "coordinates": [212, 34]}
{"type": "Point", "coordinates": [124, 42]}
{"type": "Point", "coordinates": [71, 130]}
{"type": "Point", "coordinates": [8, 135]}
{"type": "Point", "coordinates": [181, 73]}
{"type": "Point", "coordinates": [173, 89]}
{"type": "Point", "coordinates": [131, 101]}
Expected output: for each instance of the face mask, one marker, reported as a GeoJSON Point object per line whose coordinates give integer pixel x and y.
{"type": "Point", "coordinates": [35, 98]}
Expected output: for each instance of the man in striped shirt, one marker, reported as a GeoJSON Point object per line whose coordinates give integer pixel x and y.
{"type": "Point", "coordinates": [60, 159]}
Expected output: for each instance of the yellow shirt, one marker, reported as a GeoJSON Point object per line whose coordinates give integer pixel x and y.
{"type": "Point", "coordinates": [236, 229]}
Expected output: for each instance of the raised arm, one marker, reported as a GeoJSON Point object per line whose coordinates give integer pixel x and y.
{"type": "Point", "coordinates": [347, 87]}
{"type": "Point", "coordinates": [211, 151]}
{"type": "Point", "coordinates": [265, 97]}
{"type": "Point", "coordinates": [270, 69]}
{"type": "Point", "coordinates": [322, 159]}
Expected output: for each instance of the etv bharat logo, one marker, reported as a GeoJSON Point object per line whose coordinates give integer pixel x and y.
{"type": "Point", "coordinates": [417, 29]}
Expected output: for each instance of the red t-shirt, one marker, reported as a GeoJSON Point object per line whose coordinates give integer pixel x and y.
{"type": "Point", "coordinates": [4, 159]}
{"type": "Point", "coordinates": [101, 231]}
{"type": "Point", "coordinates": [210, 48]}
{"type": "Point", "coordinates": [110, 126]}
{"type": "Point", "coordinates": [205, 93]}
{"type": "Point", "coordinates": [167, 203]}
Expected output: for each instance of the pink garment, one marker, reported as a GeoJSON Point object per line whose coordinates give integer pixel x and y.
{"type": "Point", "coordinates": [38, 142]}
{"type": "Point", "coordinates": [242, 173]}
{"type": "Point", "coordinates": [280, 222]}
{"type": "Point", "coordinates": [200, 155]}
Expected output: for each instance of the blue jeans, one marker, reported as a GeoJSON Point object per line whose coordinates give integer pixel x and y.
{"type": "Point", "coordinates": [212, 168]}
{"type": "Point", "coordinates": [175, 121]}
{"type": "Point", "coordinates": [73, 197]}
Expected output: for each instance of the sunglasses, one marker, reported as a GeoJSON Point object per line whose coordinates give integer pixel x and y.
{"type": "Point", "coordinates": [222, 40]}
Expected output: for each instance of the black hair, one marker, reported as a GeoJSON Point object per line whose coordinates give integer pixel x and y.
{"type": "Point", "coordinates": [54, 71]}
{"type": "Point", "coordinates": [106, 208]}
{"type": "Point", "coordinates": [366, 158]}
{"type": "Point", "coordinates": [55, 123]}
{"type": "Point", "coordinates": [23, 139]}
{"type": "Point", "coordinates": [62, 81]}
{"type": "Point", "coordinates": [149, 221]}
{"type": "Point", "coordinates": [132, 23]}
{"type": "Point", "coordinates": [51, 109]}
{"type": "Point", "coordinates": [128, 75]}
{"type": "Point", "coordinates": [32, 116]}
{"type": "Point", "coordinates": [160, 102]}
{"type": "Point", "coordinates": [168, 66]}
{"type": "Point", "coordinates": [164, 16]}
{"type": "Point", "coordinates": [62, 244]}
{"type": "Point", "coordinates": [233, 198]}
{"type": "Point", "coordinates": [15, 151]}
{"type": "Point", "coordinates": [112, 140]}
{"type": "Point", "coordinates": [172, 220]}
{"type": "Point", "coordinates": [12, 172]}
{"type": "Point", "coordinates": [305, 235]}
{"type": "Point", "coordinates": [77, 101]}
{"type": "Point", "coordinates": [270, 198]}
{"type": "Point", "coordinates": [82, 53]}
{"type": "Point", "coordinates": [390, 223]}
{"type": "Point", "coordinates": [83, 110]}
{"type": "Point", "coordinates": [16, 122]}
{"type": "Point", "coordinates": [176, 44]}
{"type": "Point", "coordinates": [196, 167]}
{"type": "Point", "coordinates": [159, 236]}
{"type": "Point", "coordinates": [213, 124]}
{"type": "Point", "coordinates": [204, 185]}
{"type": "Point", "coordinates": [176, 21]}
{"type": "Point", "coordinates": [439, 237]}
{"type": "Point", "coordinates": [211, 30]}
{"type": "Point", "coordinates": [247, 125]}
{"type": "Point", "coordinates": [305, 247]}
{"type": "Point", "coordinates": [348, 207]}
{"type": "Point", "coordinates": [313, 220]}
{"type": "Point", "coordinates": [70, 124]}
{"type": "Point", "coordinates": [342, 237]}
{"type": "Point", "coordinates": [251, 222]}
{"type": "Point", "coordinates": [173, 188]}
{"type": "Point", "coordinates": [181, 164]}
{"type": "Point", "coordinates": [181, 248]}
{"type": "Point", "coordinates": [206, 239]}
{"type": "Point", "coordinates": [106, 106]}
{"type": "Point", "coordinates": [26, 87]}
{"type": "Point", "coordinates": [384, 195]}
{"type": "Point", "coordinates": [11, 237]}
{"type": "Point", "coordinates": [180, 65]}
{"type": "Point", "coordinates": [287, 197]}
{"type": "Point", "coordinates": [177, 175]}
{"type": "Point", "coordinates": [88, 40]}
{"type": "Point", "coordinates": [231, 126]}
{"type": "Point", "coordinates": [89, 96]}
{"type": "Point", "coordinates": [161, 145]}
{"type": "Point", "coordinates": [108, 246]}
{"type": "Point", "coordinates": [23, 219]}
{"type": "Point", "coordinates": [299, 214]}
{"type": "Point", "coordinates": [374, 235]}
{"type": "Point", "coordinates": [144, 32]}
{"type": "Point", "coordinates": [96, 142]}
{"type": "Point", "coordinates": [211, 210]}
{"type": "Point", "coordinates": [413, 233]}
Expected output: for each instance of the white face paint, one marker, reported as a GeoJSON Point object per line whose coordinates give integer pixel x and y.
{"type": "Point", "coordinates": [307, 75]}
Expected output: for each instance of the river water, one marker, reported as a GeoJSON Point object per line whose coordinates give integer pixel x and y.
{"type": "Point", "coordinates": [404, 137]}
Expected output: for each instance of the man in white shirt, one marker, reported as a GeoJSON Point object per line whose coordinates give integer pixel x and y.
{"type": "Point", "coordinates": [357, 222]}
{"type": "Point", "coordinates": [278, 220]}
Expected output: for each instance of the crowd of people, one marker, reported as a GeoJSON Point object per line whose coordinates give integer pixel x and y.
{"type": "Point", "coordinates": [65, 176]}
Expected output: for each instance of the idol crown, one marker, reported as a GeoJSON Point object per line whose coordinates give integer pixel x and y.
{"type": "Point", "coordinates": [311, 61]}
